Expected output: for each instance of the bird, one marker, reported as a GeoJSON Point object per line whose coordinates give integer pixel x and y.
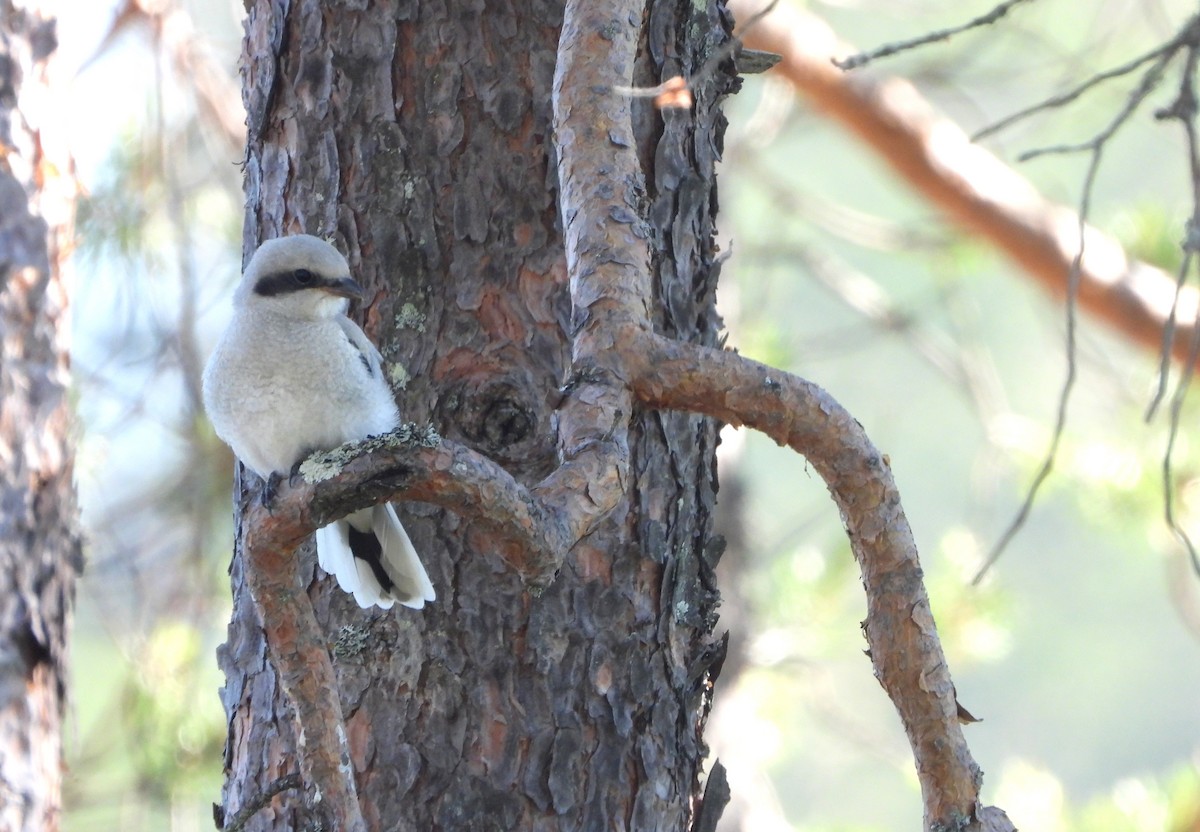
{"type": "Point", "coordinates": [293, 375]}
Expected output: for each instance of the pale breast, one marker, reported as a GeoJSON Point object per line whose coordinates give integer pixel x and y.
{"type": "Point", "coordinates": [277, 391]}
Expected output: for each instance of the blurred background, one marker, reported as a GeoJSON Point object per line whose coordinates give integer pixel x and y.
{"type": "Point", "coordinates": [1079, 650]}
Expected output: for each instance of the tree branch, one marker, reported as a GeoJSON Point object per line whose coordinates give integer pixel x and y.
{"type": "Point", "coordinates": [899, 627]}
{"type": "Point", "coordinates": [604, 234]}
{"type": "Point", "coordinates": [408, 463]}
{"type": "Point", "coordinates": [414, 463]}
{"type": "Point", "coordinates": [615, 358]}
{"type": "Point", "coordinates": [972, 186]}
{"type": "Point", "coordinates": [301, 658]}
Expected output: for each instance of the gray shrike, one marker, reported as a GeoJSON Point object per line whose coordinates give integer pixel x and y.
{"type": "Point", "coordinates": [293, 375]}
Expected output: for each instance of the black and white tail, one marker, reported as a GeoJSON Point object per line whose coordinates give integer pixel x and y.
{"type": "Point", "coordinates": [372, 558]}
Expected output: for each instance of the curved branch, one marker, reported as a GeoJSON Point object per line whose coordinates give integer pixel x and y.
{"type": "Point", "coordinates": [899, 627]}
{"type": "Point", "coordinates": [972, 186]}
{"type": "Point", "coordinates": [301, 658]}
{"type": "Point", "coordinates": [414, 464]}
{"type": "Point", "coordinates": [406, 464]}
{"type": "Point", "coordinates": [604, 235]}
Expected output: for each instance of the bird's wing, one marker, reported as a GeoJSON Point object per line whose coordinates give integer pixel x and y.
{"type": "Point", "coordinates": [366, 350]}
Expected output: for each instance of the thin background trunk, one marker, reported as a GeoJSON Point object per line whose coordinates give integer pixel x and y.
{"type": "Point", "coordinates": [419, 137]}
{"type": "Point", "coordinates": [39, 543]}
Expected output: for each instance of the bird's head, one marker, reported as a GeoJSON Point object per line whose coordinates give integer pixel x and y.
{"type": "Point", "coordinates": [300, 276]}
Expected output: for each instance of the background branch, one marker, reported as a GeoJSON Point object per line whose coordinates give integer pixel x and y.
{"type": "Point", "coordinates": [972, 186]}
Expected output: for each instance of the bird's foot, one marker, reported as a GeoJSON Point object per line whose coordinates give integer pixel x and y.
{"type": "Point", "coordinates": [295, 478]}
{"type": "Point", "coordinates": [270, 490]}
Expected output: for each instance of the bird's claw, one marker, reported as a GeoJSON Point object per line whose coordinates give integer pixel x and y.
{"type": "Point", "coordinates": [269, 490]}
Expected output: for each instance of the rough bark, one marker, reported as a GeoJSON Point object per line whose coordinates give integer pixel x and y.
{"type": "Point", "coordinates": [525, 700]}
{"type": "Point", "coordinates": [39, 543]}
{"type": "Point", "coordinates": [419, 136]}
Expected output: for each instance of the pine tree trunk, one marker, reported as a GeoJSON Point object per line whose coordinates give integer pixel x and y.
{"type": "Point", "coordinates": [418, 136]}
{"type": "Point", "coordinates": [39, 543]}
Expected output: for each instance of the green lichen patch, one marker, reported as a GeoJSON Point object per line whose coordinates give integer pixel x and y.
{"type": "Point", "coordinates": [409, 317]}
{"type": "Point", "coordinates": [325, 465]}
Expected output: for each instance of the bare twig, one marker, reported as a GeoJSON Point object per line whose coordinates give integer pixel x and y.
{"type": "Point", "coordinates": [1067, 97]}
{"type": "Point", "coordinates": [1096, 145]}
{"type": "Point", "coordinates": [864, 58]}
{"type": "Point", "coordinates": [1064, 396]}
{"type": "Point", "coordinates": [1177, 403]}
{"type": "Point", "coordinates": [1149, 82]}
{"type": "Point", "coordinates": [671, 92]}
{"type": "Point", "coordinates": [1168, 337]}
{"type": "Point", "coordinates": [1184, 109]}
{"type": "Point", "coordinates": [973, 187]}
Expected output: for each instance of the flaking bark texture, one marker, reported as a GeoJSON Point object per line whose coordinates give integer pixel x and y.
{"type": "Point", "coordinates": [418, 135]}
{"type": "Point", "coordinates": [39, 543]}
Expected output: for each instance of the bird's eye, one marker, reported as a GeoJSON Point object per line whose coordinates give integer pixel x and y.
{"type": "Point", "coordinates": [304, 277]}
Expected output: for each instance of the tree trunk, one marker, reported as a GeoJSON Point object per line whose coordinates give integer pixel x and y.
{"type": "Point", "coordinates": [39, 543]}
{"type": "Point", "coordinates": [418, 136]}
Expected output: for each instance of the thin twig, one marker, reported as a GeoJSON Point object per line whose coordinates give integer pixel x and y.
{"type": "Point", "coordinates": [1064, 398]}
{"type": "Point", "coordinates": [282, 784]}
{"type": "Point", "coordinates": [677, 84]}
{"type": "Point", "coordinates": [888, 49]}
{"type": "Point", "coordinates": [1149, 81]}
{"type": "Point", "coordinates": [1070, 95]}
{"type": "Point", "coordinates": [1168, 338]}
{"type": "Point", "coordinates": [1096, 146]}
{"type": "Point", "coordinates": [1177, 402]}
{"type": "Point", "coordinates": [1184, 110]}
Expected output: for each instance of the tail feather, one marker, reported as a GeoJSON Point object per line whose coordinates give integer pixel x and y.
{"type": "Point", "coordinates": [372, 558]}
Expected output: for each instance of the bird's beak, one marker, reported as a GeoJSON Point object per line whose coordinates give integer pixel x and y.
{"type": "Point", "coordinates": [344, 287]}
